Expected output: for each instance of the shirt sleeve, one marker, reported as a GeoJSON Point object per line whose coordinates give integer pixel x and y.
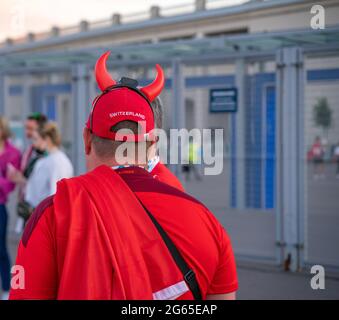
{"type": "Point", "coordinates": [225, 279]}
{"type": "Point", "coordinates": [54, 178]}
{"type": "Point", "coordinates": [63, 170]}
{"type": "Point", "coordinates": [6, 186]}
{"type": "Point", "coordinates": [37, 184]}
{"type": "Point", "coordinates": [37, 258]}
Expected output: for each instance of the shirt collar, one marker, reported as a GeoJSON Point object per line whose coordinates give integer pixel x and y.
{"type": "Point", "coordinates": [150, 165]}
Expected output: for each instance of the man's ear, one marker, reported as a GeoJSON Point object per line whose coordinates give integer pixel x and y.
{"type": "Point", "coordinates": [151, 149]}
{"type": "Point", "coordinates": [87, 140]}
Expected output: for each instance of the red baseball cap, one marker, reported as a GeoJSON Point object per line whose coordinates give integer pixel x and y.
{"type": "Point", "coordinates": [121, 101]}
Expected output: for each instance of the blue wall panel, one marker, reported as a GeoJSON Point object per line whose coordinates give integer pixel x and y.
{"type": "Point", "coordinates": [233, 171]}
{"type": "Point", "coordinates": [15, 90]}
{"type": "Point", "coordinates": [254, 175]}
{"type": "Point", "coordinates": [323, 75]}
{"type": "Point", "coordinates": [270, 147]}
{"type": "Point", "coordinates": [51, 107]}
{"type": "Point", "coordinates": [42, 92]}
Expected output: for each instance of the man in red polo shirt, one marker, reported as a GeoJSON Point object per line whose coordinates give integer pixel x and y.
{"type": "Point", "coordinates": [96, 237]}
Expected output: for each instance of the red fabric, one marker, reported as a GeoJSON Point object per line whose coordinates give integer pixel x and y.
{"type": "Point", "coordinates": [317, 150]}
{"type": "Point", "coordinates": [31, 224]}
{"type": "Point", "coordinates": [163, 174]}
{"type": "Point", "coordinates": [95, 241]}
{"type": "Point", "coordinates": [118, 105]}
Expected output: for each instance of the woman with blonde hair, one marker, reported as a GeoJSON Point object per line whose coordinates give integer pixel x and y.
{"type": "Point", "coordinates": [49, 169]}
{"type": "Point", "coordinates": [9, 156]}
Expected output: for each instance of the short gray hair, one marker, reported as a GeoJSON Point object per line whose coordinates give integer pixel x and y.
{"type": "Point", "coordinates": [106, 148]}
{"type": "Point", "coordinates": [157, 108]}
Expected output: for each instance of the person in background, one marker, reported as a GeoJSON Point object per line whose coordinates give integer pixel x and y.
{"type": "Point", "coordinates": [193, 156]}
{"type": "Point", "coordinates": [48, 170]}
{"type": "Point", "coordinates": [30, 156]}
{"type": "Point", "coordinates": [9, 156]}
{"type": "Point", "coordinates": [317, 155]}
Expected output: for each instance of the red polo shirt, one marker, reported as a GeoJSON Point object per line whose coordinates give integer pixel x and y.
{"type": "Point", "coordinates": [198, 235]}
{"type": "Point", "coordinates": [195, 231]}
{"type": "Point", "coordinates": [162, 173]}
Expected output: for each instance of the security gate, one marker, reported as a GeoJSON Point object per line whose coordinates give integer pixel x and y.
{"type": "Point", "coordinates": [321, 175]}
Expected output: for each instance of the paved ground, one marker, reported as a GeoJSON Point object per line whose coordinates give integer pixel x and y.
{"type": "Point", "coordinates": [259, 282]}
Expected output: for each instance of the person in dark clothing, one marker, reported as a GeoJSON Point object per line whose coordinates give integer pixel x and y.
{"type": "Point", "coordinates": [30, 156]}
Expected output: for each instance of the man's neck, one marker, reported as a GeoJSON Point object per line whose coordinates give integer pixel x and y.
{"type": "Point", "coordinates": [151, 163]}
{"type": "Point", "coordinates": [115, 165]}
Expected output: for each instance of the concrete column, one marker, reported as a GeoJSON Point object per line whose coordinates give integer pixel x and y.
{"type": "Point", "coordinates": [116, 19]}
{"type": "Point", "coordinates": [30, 37]}
{"type": "Point", "coordinates": [290, 87]}
{"type": "Point", "coordinates": [83, 25]}
{"type": "Point", "coordinates": [55, 31]}
{"type": "Point", "coordinates": [178, 104]}
{"type": "Point", "coordinates": [9, 41]}
{"type": "Point", "coordinates": [240, 77]}
{"type": "Point", "coordinates": [200, 5]}
{"type": "Point", "coordinates": [178, 87]}
{"type": "Point", "coordinates": [81, 109]}
{"type": "Point", "coordinates": [26, 98]}
{"type": "Point", "coordinates": [155, 12]}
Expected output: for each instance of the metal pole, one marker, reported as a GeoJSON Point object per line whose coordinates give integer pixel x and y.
{"type": "Point", "coordinates": [26, 99]}
{"type": "Point", "coordinates": [240, 74]}
{"type": "Point", "coordinates": [178, 103]}
{"type": "Point", "coordinates": [279, 144]}
{"type": "Point", "coordinates": [290, 95]}
{"type": "Point", "coordinates": [81, 109]}
{"type": "Point", "coordinates": [301, 150]}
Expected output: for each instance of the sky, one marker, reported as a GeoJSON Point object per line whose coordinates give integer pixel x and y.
{"type": "Point", "coordinates": [19, 17]}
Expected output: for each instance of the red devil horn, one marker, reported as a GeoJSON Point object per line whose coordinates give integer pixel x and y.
{"type": "Point", "coordinates": [104, 79]}
{"type": "Point", "coordinates": [153, 90]}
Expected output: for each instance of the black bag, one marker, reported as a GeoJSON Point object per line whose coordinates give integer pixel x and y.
{"type": "Point", "coordinates": [188, 273]}
{"type": "Point", "coordinates": [24, 209]}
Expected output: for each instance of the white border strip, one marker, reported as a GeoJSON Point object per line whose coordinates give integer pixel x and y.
{"type": "Point", "coordinates": [172, 292]}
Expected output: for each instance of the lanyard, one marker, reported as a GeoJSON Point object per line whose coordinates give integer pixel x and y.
{"type": "Point", "coordinates": [149, 167]}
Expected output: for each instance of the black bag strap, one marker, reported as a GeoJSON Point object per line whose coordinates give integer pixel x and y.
{"type": "Point", "coordinates": [188, 273]}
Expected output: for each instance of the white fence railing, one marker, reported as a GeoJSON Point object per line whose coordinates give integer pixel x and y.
{"type": "Point", "coordinates": [116, 19]}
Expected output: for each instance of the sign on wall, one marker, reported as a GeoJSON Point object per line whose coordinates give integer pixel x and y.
{"type": "Point", "coordinates": [223, 100]}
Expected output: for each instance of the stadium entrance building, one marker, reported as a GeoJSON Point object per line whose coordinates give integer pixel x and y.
{"type": "Point", "coordinates": [266, 53]}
